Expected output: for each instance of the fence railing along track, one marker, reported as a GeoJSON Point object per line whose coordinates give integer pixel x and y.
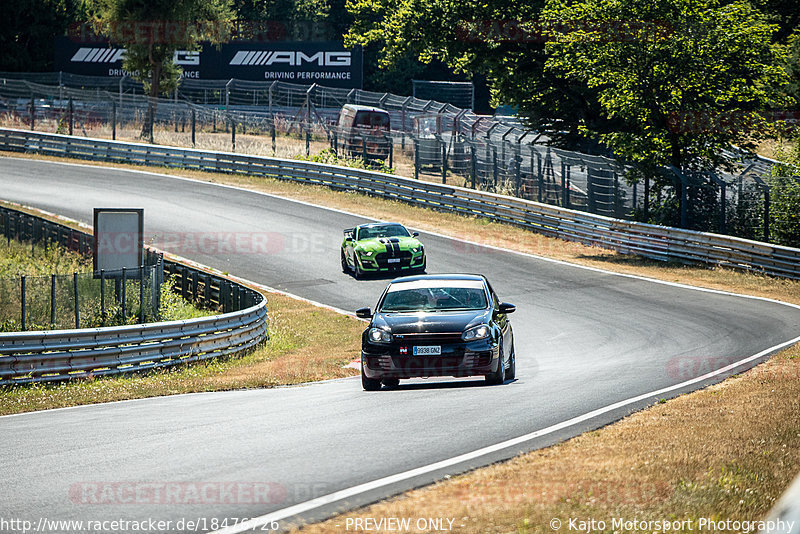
{"type": "Point", "coordinates": [651, 241]}
{"type": "Point", "coordinates": [51, 355]}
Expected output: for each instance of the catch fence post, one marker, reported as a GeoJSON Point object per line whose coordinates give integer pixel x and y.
{"type": "Point", "coordinates": [416, 159]}
{"type": "Point", "coordinates": [52, 301]}
{"type": "Point", "coordinates": [124, 292]}
{"type": "Point", "coordinates": [77, 301]}
{"type": "Point", "coordinates": [22, 301]}
{"type": "Point", "coordinates": [444, 162]}
{"type": "Point", "coordinates": [473, 164]}
{"type": "Point", "coordinates": [150, 120]}
{"type": "Point", "coordinates": [494, 167]}
{"type": "Point", "coordinates": [766, 214]}
{"type": "Point", "coordinates": [102, 297]}
{"type": "Point", "coordinates": [141, 293]}
{"type": "Point", "coordinates": [364, 148]}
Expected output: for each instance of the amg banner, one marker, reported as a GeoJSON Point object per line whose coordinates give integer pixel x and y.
{"type": "Point", "coordinates": [324, 63]}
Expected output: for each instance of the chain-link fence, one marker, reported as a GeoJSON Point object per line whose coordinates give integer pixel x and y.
{"type": "Point", "coordinates": [79, 299]}
{"type": "Point", "coordinates": [428, 140]}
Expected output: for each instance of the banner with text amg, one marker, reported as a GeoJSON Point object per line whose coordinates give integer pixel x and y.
{"type": "Point", "coordinates": [326, 63]}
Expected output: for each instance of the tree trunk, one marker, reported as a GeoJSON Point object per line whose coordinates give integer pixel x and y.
{"type": "Point", "coordinates": [155, 85]}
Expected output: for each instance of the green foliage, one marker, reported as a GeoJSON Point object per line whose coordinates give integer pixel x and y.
{"type": "Point", "coordinates": [330, 157]}
{"type": "Point", "coordinates": [26, 37]}
{"type": "Point", "coordinates": [180, 25]}
{"type": "Point", "coordinates": [793, 65]}
{"type": "Point", "coordinates": [785, 196]}
{"type": "Point", "coordinates": [715, 59]}
{"type": "Point", "coordinates": [174, 307]}
{"type": "Point", "coordinates": [18, 258]}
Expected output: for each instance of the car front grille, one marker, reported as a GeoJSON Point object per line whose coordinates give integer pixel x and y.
{"type": "Point", "coordinates": [383, 258]}
{"type": "Point", "coordinates": [427, 338]}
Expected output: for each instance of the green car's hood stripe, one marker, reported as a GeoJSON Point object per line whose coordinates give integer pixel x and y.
{"type": "Point", "coordinates": [405, 243]}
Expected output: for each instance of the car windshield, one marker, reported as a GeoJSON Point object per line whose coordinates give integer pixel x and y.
{"type": "Point", "coordinates": [434, 299]}
{"type": "Point", "coordinates": [373, 119]}
{"type": "Point", "coordinates": [388, 230]}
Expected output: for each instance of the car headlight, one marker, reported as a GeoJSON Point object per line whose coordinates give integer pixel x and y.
{"type": "Point", "coordinates": [476, 332]}
{"type": "Point", "coordinates": [367, 253]}
{"type": "Point", "coordinates": [378, 335]}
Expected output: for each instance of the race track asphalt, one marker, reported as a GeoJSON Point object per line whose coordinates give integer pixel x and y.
{"type": "Point", "coordinates": [585, 340]}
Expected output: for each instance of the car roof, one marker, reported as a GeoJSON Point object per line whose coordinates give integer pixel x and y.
{"type": "Point", "coordinates": [357, 107]}
{"type": "Point", "coordinates": [376, 224]}
{"type": "Point", "coordinates": [440, 277]}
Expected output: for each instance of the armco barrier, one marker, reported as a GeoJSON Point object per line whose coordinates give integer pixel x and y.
{"type": "Point", "coordinates": [651, 241]}
{"type": "Point", "coordinates": [43, 356]}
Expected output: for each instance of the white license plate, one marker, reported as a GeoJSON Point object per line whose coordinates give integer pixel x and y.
{"type": "Point", "coordinates": [393, 260]}
{"type": "Point", "coordinates": [428, 350]}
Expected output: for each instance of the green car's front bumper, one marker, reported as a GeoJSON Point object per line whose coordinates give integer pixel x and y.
{"type": "Point", "coordinates": [387, 262]}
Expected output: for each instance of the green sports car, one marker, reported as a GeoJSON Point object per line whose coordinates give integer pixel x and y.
{"type": "Point", "coordinates": [381, 247]}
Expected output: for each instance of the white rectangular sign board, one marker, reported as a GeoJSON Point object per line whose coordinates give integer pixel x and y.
{"type": "Point", "coordinates": [119, 235]}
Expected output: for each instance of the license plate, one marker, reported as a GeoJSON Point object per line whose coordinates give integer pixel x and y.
{"type": "Point", "coordinates": [428, 350]}
{"type": "Point", "coordinates": [393, 260]}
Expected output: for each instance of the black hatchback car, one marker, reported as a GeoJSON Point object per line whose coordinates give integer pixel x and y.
{"type": "Point", "coordinates": [437, 325]}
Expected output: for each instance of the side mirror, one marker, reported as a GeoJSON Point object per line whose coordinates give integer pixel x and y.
{"type": "Point", "coordinates": [505, 307]}
{"type": "Point", "coordinates": [415, 234]}
{"type": "Point", "coordinates": [364, 313]}
{"type": "Point", "coordinates": [348, 238]}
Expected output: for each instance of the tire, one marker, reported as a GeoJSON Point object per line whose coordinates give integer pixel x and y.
{"type": "Point", "coordinates": [358, 273]}
{"type": "Point", "coordinates": [391, 382]}
{"type": "Point", "coordinates": [345, 267]}
{"type": "Point", "coordinates": [496, 378]}
{"type": "Point", "coordinates": [511, 372]}
{"type": "Point", "coordinates": [369, 384]}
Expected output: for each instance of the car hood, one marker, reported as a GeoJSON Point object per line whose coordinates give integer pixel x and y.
{"type": "Point", "coordinates": [433, 322]}
{"type": "Point", "coordinates": [379, 244]}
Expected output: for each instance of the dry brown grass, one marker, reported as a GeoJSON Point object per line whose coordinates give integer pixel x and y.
{"type": "Point", "coordinates": [725, 452]}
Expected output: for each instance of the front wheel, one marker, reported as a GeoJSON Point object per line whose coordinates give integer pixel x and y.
{"type": "Point", "coordinates": [497, 376]}
{"type": "Point", "coordinates": [358, 273]}
{"type": "Point", "coordinates": [345, 266]}
{"type": "Point", "coordinates": [369, 384]}
{"type": "Point", "coordinates": [511, 372]}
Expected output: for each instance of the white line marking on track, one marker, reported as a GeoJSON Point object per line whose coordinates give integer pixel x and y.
{"type": "Point", "coordinates": [399, 477]}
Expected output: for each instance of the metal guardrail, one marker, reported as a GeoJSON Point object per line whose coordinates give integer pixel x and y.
{"type": "Point", "coordinates": [651, 241]}
{"type": "Point", "coordinates": [43, 356]}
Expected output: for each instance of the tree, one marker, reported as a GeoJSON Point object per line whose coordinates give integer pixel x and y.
{"type": "Point", "coordinates": [491, 38]}
{"type": "Point", "coordinates": [153, 30]}
{"type": "Point", "coordinates": [26, 36]}
{"type": "Point", "coordinates": [681, 95]}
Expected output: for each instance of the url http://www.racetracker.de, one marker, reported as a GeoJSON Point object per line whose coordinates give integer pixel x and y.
{"type": "Point", "coordinates": [199, 524]}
